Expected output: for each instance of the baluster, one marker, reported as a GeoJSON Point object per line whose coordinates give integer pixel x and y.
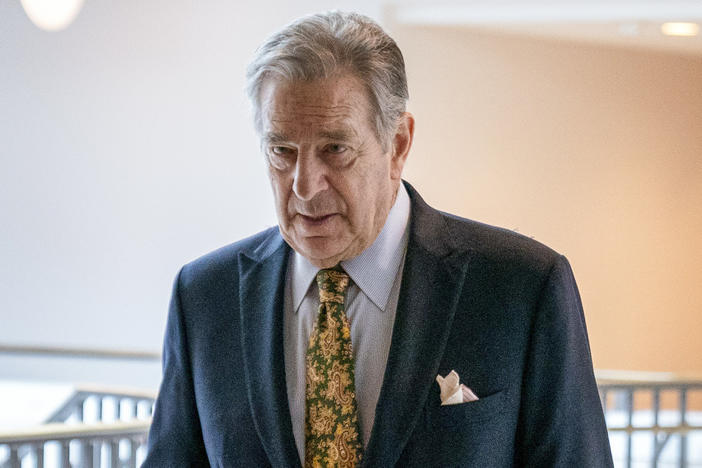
{"type": "Point", "coordinates": [39, 451]}
{"type": "Point", "coordinates": [118, 406]}
{"type": "Point", "coordinates": [134, 446]}
{"type": "Point", "coordinates": [629, 423]}
{"type": "Point", "coordinates": [656, 409]}
{"type": "Point", "coordinates": [114, 454]}
{"type": "Point", "coordinates": [603, 398]}
{"type": "Point", "coordinates": [135, 408]}
{"type": "Point", "coordinates": [96, 445]}
{"type": "Point", "coordinates": [28, 452]}
{"type": "Point", "coordinates": [79, 411]}
{"type": "Point", "coordinates": [15, 461]}
{"type": "Point", "coordinates": [99, 407]}
{"type": "Point", "coordinates": [147, 408]}
{"type": "Point", "coordinates": [66, 454]}
{"type": "Point", "coordinates": [86, 453]}
{"type": "Point", "coordinates": [683, 427]}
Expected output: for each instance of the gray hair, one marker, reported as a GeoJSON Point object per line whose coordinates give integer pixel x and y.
{"type": "Point", "coordinates": [321, 45]}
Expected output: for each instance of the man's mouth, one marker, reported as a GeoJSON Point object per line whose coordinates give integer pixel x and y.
{"type": "Point", "coordinates": [316, 220]}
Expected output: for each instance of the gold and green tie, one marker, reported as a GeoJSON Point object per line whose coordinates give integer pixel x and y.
{"type": "Point", "coordinates": [332, 436]}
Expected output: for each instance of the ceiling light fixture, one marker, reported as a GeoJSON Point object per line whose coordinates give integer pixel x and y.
{"type": "Point", "coordinates": [52, 15]}
{"type": "Point", "coordinates": [680, 29]}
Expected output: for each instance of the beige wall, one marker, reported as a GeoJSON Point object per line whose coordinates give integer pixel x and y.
{"type": "Point", "coordinates": [594, 151]}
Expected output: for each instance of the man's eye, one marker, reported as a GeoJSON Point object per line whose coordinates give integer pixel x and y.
{"type": "Point", "coordinates": [281, 150]}
{"type": "Point", "coordinates": [335, 148]}
{"type": "Point", "coordinates": [281, 157]}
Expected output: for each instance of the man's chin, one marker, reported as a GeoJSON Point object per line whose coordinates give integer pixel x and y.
{"type": "Point", "coordinates": [322, 252]}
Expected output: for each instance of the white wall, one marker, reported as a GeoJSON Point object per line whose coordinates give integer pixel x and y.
{"type": "Point", "coordinates": [126, 150]}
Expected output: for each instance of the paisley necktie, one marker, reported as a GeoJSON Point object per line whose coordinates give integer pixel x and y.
{"type": "Point", "coordinates": [332, 436]}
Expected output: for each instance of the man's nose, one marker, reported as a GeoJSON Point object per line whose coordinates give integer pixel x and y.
{"type": "Point", "coordinates": [310, 176]}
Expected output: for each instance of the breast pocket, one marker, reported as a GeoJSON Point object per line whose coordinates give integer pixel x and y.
{"type": "Point", "coordinates": [466, 414]}
{"type": "Point", "coordinates": [477, 433]}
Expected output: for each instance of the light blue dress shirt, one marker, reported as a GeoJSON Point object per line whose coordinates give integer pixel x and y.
{"type": "Point", "coordinates": [371, 303]}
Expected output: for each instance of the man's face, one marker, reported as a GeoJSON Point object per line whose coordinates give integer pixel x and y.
{"type": "Point", "coordinates": [332, 181]}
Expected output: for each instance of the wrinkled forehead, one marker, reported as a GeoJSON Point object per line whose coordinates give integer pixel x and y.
{"type": "Point", "coordinates": [330, 102]}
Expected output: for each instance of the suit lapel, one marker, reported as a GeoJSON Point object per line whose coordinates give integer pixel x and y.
{"type": "Point", "coordinates": [431, 286]}
{"type": "Point", "coordinates": [262, 279]}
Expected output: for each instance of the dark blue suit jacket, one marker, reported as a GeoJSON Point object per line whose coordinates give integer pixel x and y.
{"type": "Point", "coordinates": [499, 308]}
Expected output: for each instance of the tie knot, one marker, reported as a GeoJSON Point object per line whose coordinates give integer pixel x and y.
{"type": "Point", "coordinates": [332, 285]}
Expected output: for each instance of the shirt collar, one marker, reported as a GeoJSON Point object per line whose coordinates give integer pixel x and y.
{"type": "Point", "coordinates": [375, 269]}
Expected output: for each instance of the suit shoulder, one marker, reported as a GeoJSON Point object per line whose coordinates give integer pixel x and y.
{"type": "Point", "coordinates": [500, 249]}
{"type": "Point", "coordinates": [224, 259]}
{"type": "Point", "coordinates": [500, 245]}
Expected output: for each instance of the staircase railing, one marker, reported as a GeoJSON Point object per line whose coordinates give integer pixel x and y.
{"type": "Point", "coordinates": [95, 427]}
{"type": "Point", "coordinates": [618, 392]}
{"type": "Point", "coordinates": [108, 427]}
{"type": "Point", "coordinates": [116, 444]}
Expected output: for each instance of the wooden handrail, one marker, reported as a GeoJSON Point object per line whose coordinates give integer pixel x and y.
{"type": "Point", "coordinates": [618, 377]}
{"type": "Point", "coordinates": [122, 392]}
{"type": "Point", "coordinates": [90, 353]}
{"type": "Point", "coordinates": [60, 431]}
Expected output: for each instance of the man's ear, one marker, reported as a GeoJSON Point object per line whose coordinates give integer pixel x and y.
{"type": "Point", "coordinates": [401, 144]}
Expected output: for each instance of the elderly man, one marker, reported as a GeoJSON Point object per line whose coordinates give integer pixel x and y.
{"type": "Point", "coordinates": [368, 329]}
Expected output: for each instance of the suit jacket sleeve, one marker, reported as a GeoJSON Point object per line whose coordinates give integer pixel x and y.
{"type": "Point", "coordinates": [175, 437]}
{"type": "Point", "coordinates": [561, 419]}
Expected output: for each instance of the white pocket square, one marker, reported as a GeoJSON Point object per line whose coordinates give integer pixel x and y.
{"type": "Point", "coordinates": [452, 391]}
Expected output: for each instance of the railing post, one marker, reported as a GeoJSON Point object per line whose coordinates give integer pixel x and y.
{"type": "Point", "coordinates": [629, 423]}
{"type": "Point", "coordinates": [86, 454]}
{"type": "Point", "coordinates": [66, 454]}
{"type": "Point", "coordinates": [114, 454]}
{"type": "Point", "coordinates": [79, 411]}
{"type": "Point", "coordinates": [39, 453]}
{"type": "Point", "coordinates": [656, 409]}
{"type": "Point", "coordinates": [135, 407]}
{"type": "Point", "coordinates": [98, 408]}
{"type": "Point", "coordinates": [683, 426]}
{"type": "Point", "coordinates": [15, 461]}
{"type": "Point", "coordinates": [96, 452]}
{"type": "Point", "coordinates": [118, 406]}
{"type": "Point", "coordinates": [134, 446]}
